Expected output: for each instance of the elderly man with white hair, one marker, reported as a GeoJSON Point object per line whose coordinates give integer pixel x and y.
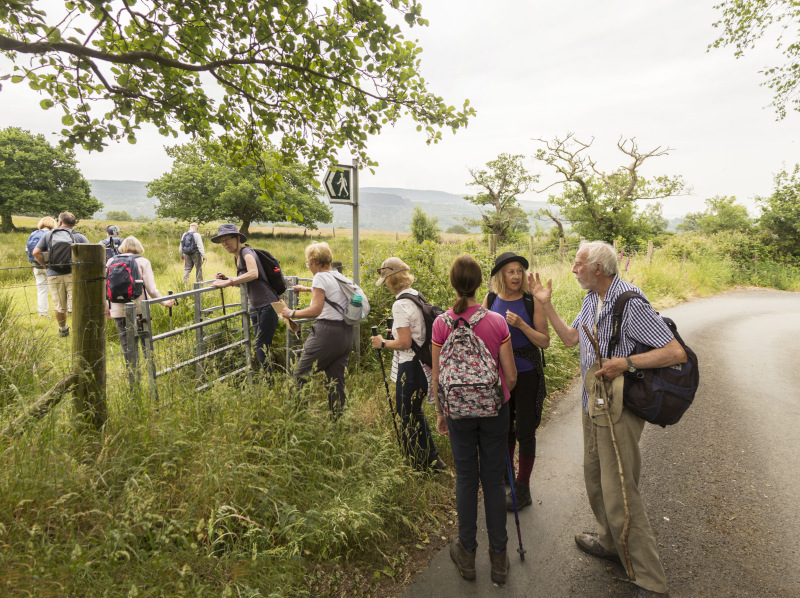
{"type": "Point", "coordinates": [596, 270]}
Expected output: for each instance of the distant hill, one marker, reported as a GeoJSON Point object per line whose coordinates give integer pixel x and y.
{"type": "Point", "coordinates": [127, 196]}
{"type": "Point", "coordinates": [380, 208]}
{"type": "Point", "coordinates": [449, 208]}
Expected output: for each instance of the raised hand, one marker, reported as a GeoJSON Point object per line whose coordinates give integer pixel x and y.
{"type": "Point", "coordinates": [542, 293]}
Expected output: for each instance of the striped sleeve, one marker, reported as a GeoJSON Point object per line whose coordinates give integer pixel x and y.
{"type": "Point", "coordinates": [641, 323]}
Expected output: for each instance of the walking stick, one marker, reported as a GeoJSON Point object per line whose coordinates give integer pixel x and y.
{"type": "Point", "coordinates": [626, 527]}
{"type": "Point", "coordinates": [520, 550]}
{"type": "Point", "coordinates": [386, 384]}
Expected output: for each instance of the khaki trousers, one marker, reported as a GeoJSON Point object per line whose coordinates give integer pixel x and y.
{"type": "Point", "coordinates": [605, 495]}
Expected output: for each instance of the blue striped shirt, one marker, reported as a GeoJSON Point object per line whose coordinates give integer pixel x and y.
{"type": "Point", "coordinates": [640, 322]}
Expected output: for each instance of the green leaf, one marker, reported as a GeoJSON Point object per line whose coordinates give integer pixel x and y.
{"type": "Point", "coordinates": [46, 104]}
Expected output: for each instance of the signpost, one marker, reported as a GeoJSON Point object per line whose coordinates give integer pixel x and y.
{"type": "Point", "coordinates": [341, 186]}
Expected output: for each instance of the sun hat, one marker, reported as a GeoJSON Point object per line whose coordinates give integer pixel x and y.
{"type": "Point", "coordinates": [390, 266]}
{"type": "Point", "coordinates": [507, 258]}
{"type": "Point", "coordinates": [227, 229]}
{"type": "Point", "coordinates": [615, 389]}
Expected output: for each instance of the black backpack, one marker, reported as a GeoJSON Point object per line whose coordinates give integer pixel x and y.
{"type": "Point", "coordinates": [188, 244]}
{"type": "Point", "coordinates": [527, 299]}
{"type": "Point", "coordinates": [123, 272]}
{"type": "Point", "coordinates": [659, 395]}
{"type": "Point", "coordinates": [429, 313]}
{"type": "Point", "coordinates": [272, 269]}
{"type": "Point", "coordinates": [112, 246]}
{"type": "Point", "coordinates": [60, 251]}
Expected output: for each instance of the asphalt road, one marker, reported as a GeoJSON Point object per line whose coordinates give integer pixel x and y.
{"type": "Point", "coordinates": [721, 487]}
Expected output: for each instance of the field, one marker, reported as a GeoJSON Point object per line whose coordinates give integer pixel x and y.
{"type": "Point", "coordinates": [244, 490]}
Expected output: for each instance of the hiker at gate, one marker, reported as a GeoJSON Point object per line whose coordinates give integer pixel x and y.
{"type": "Point", "coordinates": [132, 267]}
{"type": "Point", "coordinates": [112, 241]}
{"type": "Point", "coordinates": [54, 250]}
{"type": "Point", "coordinates": [192, 253]}
{"type": "Point", "coordinates": [330, 341]}
{"type": "Point", "coordinates": [529, 334]}
{"type": "Point", "coordinates": [40, 273]}
{"type": "Point", "coordinates": [260, 294]}
{"type": "Point", "coordinates": [408, 334]}
{"type": "Point", "coordinates": [473, 373]}
{"type": "Point", "coordinates": [596, 270]}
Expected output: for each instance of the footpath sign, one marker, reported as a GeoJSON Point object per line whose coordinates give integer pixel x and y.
{"type": "Point", "coordinates": [341, 186]}
{"type": "Point", "coordinates": [338, 185]}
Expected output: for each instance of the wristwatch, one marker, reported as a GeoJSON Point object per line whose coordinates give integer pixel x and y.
{"type": "Point", "coordinates": [383, 344]}
{"type": "Point", "coordinates": [631, 367]}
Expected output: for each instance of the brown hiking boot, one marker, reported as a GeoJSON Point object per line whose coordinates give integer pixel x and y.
{"type": "Point", "coordinates": [522, 492]}
{"type": "Point", "coordinates": [499, 566]}
{"type": "Point", "coordinates": [464, 560]}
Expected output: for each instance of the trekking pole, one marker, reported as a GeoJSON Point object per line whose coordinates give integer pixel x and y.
{"type": "Point", "coordinates": [389, 398]}
{"type": "Point", "coordinates": [520, 550]}
{"type": "Point", "coordinates": [170, 312]}
{"type": "Point", "coordinates": [623, 540]}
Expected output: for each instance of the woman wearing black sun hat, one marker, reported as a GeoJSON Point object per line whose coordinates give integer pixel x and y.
{"type": "Point", "coordinates": [527, 323]}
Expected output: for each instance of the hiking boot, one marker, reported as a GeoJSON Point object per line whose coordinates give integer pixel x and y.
{"type": "Point", "coordinates": [642, 593]}
{"type": "Point", "coordinates": [590, 543]}
{"type": "Point", "coordinates": [499, 566]}
{"type": "Point", "coordinates": [522, 492]}
{"type": "Point", "coordinates": [63, 331]}
{"type": "Point", "coordinates": [464, 560]}
{"type": "Point", "coordinates": [437, 465]}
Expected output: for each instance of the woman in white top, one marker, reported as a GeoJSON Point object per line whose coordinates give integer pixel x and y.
{"type": "Point", "coordinates": [132, 246]}
{"type": "Point", "coordinates": [330, 340]}
{"type": "Point", "coordinates": [408, 373]}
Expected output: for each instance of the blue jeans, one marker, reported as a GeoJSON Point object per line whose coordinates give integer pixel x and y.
{"type": "Point", "coordinates": [417, 437]}
{"type": "Point", "coordinates": [265, 322]}
{"type": "Point", "coordinates": [479, 453]}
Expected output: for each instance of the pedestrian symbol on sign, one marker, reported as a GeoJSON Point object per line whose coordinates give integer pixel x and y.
{"type": "Point", "coordinates": [337, 185]}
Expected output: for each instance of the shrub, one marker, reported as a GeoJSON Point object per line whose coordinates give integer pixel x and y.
{"type": "Point", "coordinates": [424, 227]}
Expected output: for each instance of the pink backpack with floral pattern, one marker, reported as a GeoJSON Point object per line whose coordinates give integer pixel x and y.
{"type": "Point", "coordinates": [469, 376]}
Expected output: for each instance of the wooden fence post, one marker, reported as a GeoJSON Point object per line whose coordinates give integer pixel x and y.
{"type": "Point", "coordinates": [89, 333]}
{"type": "Point", "coordinates": [616, 246]}
{"type": "Point", "coordinates": [561, 255]}
{"type": "Point", "coordinates": [650, 252]}
{"type": "Point", "coordinates": [531, 243]}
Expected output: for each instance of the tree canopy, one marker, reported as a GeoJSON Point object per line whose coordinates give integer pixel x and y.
{"type": "Point", "coordinates": [503, 181]}
{"type": "Point", "coordinates": [780, 212]}
{"type": "Point", "coordinates": [745, 22]}
{"type": "Point", "coordinates": [209, 182]}
{"type": "Point", "coordinates": [313, 77]}
{"type": "Point", "coordinates": [606, 205]}
{"type": "Point", "coordinates": [38, 178]}
{"type": "Point", "coordinates": [722, 214]}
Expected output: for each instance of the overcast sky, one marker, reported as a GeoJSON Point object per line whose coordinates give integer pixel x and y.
{"type": "Point", "coordinates": [543, 69]}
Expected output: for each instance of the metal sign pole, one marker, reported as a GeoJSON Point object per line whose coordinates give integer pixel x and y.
{"type": "Point", "coordinates": [356, 260]}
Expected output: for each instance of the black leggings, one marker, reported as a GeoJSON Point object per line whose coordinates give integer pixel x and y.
{"type": "Point", "coordinates": [525, 414]}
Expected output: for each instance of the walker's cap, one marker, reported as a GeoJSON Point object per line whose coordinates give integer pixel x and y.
{"type": "Point", "coordinates": [506, 258]}
{"type": "Point", "coordinates": [393, 265]}
{"type": "Point", "coordinates": [613, 390]}
{"type": "Point", "coordinates": [227, 229]}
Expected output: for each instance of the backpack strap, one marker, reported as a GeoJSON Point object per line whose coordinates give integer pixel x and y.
{"type": "Point", "coordinates": [490, 297]}
{"type": "Point", "coordinates": [616, 318]}
{"type": "Point", "coordinates": [336, 306]}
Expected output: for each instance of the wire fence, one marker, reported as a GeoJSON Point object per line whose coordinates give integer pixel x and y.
{"type": "Point", "coordinates": [205, 337]}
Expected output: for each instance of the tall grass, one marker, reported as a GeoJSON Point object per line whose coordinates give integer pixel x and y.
{"type": "Point", "coordinates": [240, 490]}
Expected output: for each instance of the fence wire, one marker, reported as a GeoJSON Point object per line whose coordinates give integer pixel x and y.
{"type": "Point", "coordinates": [35, 354]}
